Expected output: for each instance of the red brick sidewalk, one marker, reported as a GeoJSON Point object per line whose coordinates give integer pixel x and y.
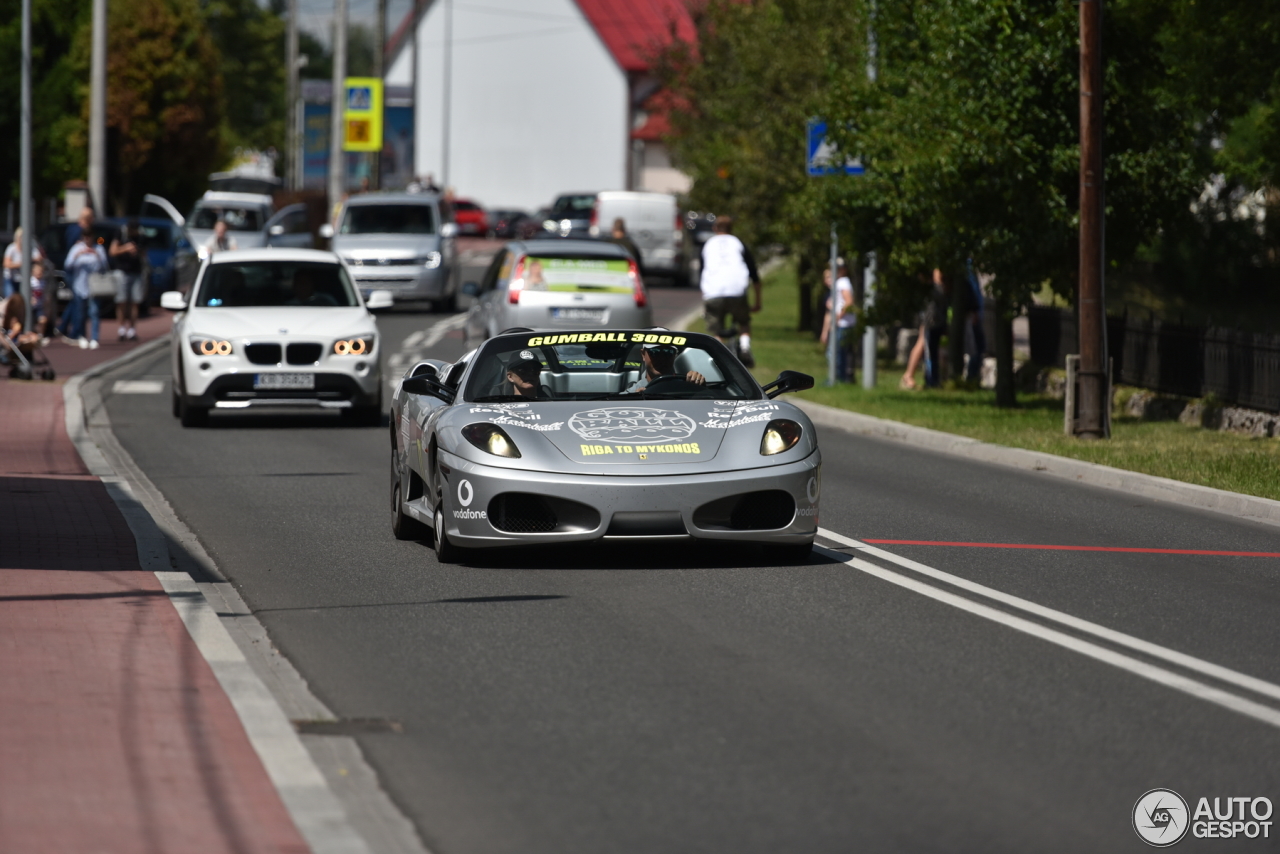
{"type": "Point", "coordinates": [114, 733]}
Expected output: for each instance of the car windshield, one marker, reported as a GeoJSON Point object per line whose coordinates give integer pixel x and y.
{"type": "Point", "coordinates": [388, 219]}
{"type": "Point", "coordinates": [573, 206]}
{"type": "Point", "coordinates": [602, 365]}
{"type": "Point", "coordinates": [237, 218]}
{"type": "Point", "coordinates": [271, 284]}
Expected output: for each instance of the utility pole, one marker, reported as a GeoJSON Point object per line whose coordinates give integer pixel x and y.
{"type": "Point", "coordinates": [379, 71]}
{"type": "Point", "coordinates": [416, 89]}
{"type": "Point", "coordinates": [293, 171]}
{"type": "Point", "coordinates": [24, 193]}
{"type": "Point", "coordinates": [337, 127]}
{"type": "Point", "coordinates": [870, 335]}
{"type": "Point", "coordinates": [98, 111]}
{"type": "Point", "coordinates": [833, 328]}
{"type": "Point", "coordinates": [448, 88]}
{"type": "Point", "coordinates": [1094, 406]}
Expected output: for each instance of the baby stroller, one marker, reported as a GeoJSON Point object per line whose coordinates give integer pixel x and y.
{"type": "Point", "coordinates": [25, 366]}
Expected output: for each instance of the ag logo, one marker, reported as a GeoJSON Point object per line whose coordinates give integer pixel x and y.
{"type": "Point", "coordinates": [465, 493]}
{"type": "Point", "coordinates": [1160, 818]}
{"type": "Point", "coordinates": [627, 425]}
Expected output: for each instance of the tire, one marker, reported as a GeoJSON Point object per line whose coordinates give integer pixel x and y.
{"type": "Point", "coordinates": [363, 416]}
{"type": "Point", "coordinates": [192, 416]}
{"type": "Point", "coordinates": [405, 527]}
{"type": "Point", "coordinates": [446, 551]}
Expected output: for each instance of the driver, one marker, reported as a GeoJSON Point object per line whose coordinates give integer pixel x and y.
{"type": "Point", "coordinates": [523, 375]}
{"type": "Point", "coordinates": [660, 361]}
{"type": "Point", "coordinates": [304, 289]}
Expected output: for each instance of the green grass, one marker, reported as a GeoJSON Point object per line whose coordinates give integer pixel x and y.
{"type": "Point", "coordinates": [1168, 449]}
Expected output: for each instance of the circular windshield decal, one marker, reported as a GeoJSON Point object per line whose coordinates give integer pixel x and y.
{"type": "Point", "coordinates": [632, 424]}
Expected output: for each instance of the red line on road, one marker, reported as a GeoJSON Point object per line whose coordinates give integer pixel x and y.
{"type": "Point", "coordinates": [1073, 548]}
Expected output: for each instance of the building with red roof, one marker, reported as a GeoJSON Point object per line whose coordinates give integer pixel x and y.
{"type": "Point", "coordinates": [518, 101]}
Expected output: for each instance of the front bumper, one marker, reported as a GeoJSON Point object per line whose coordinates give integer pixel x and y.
{"type": "Point", "coordinates": [226, 382]}
{"type": "Point", "coordinates": [407, 282]}
{"type": "Point", "coordinates": [486, 506]}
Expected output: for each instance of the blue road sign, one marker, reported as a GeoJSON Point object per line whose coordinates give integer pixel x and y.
{"type": "Point", "coordinates": [822, 154]}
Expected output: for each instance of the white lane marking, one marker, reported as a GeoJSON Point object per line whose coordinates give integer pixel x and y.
{"type": "Point", "coordinates": [442, 328]}
{"type": "Point", "coordinates": [413, 348]}
{"type": "Point", "coordinates": [1168, 678]}
{"type": "Point", "coordinates": [1215, 671]}
{"type": "Point", "coordinates": [1159, 675]}
{"type": "Point", "coordinates": [138, 387]}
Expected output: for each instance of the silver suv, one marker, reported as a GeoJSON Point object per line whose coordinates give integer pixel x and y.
{"type": "Point", "coordinates": [399, 242]}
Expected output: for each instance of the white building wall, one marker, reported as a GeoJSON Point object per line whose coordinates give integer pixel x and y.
{"type": "Point", "coordinates": [539, 107]}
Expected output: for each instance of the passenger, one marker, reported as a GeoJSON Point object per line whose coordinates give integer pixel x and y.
{"type": "Point", "coordinates": [220, 242]}
{"type": "Point", "coordinates": [660, 361]}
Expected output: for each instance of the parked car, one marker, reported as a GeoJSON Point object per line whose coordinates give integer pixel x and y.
{"type": "Point", "coordinates": [290, 227]}
{"type": "Point", "coordinates": [246, 215]}
{"type": "Point", "coordinates": [570, 215]}
{"type": "Point", "coordinates": [653, 224]}
{"type": "Point", "coordinates": [275, 327]}
{"type": "Point", "coordinates": [555, 283]}
{"type": "Point", "coordinates": [506, 224]}
{"type": "Point", "coordinates": [470, 217]}
{"type": "Point", "coordinates": [535, 225]}
{"type": "Point", "coordinates": [400, 242]}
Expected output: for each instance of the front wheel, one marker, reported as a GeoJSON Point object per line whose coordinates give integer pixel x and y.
{"type": "Point", "coordinates": [192, 416]}
{"type": "Point", "coordinates": [404, 527]}
{"type": "Point", "coordinates": [446, 551]}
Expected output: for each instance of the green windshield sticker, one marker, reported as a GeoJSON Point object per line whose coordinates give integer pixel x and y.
{"type": "Point", "coordinates": [578, 275]}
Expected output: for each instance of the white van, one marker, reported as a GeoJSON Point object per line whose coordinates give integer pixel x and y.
{"type": "Point", "coordinates": [653, 222]}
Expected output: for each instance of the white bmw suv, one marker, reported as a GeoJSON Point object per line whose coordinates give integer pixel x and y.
{"type": "Point", "coordinates": [275, 327]}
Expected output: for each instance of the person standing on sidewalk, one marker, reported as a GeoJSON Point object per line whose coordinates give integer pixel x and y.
{"type": "Point", "coordinates": [220, 241]}
{"type": "Point", "coordinates": [84, 259]}
{"type": "Point", "coordinates": [13, 263]}
{"type": "Point", "coordinates": [728, 269]}
{"type": "Point", "coordinates": [842, 293]}
{"type": "Point", "coordinates": [127, 258]}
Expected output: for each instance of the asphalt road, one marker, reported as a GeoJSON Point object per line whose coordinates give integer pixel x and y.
{"type": "Point", "coordinates": [681, 698]}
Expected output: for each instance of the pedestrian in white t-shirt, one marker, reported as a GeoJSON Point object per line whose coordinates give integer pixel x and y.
{"type": "Point", "coordinates": [847, 312]}
{"type": "Point", "coordinates": [728, 269]}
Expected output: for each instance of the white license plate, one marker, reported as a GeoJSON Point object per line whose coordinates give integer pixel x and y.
{"type": "Point", "coordinates": [288, 382]}
{"type": "Point", "coordinates": [578, 315]}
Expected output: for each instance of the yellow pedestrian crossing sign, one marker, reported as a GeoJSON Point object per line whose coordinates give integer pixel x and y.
{"type": "Point", "coordinates": [362, 114]}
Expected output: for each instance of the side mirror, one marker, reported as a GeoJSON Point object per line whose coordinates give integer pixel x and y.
{"type": "Point", "coordinates": [326, 231]}
{"type": "Point", "coordinates": [277, 230]}
{"type": "Point", "coordinates": [427, 385]}
{"type": "Point", "coordinates": [788, 381]}
{"type": "Point", "coordinates": [173, 300]}
{"type": "Point", "coordinates": [379, 299]}
{"type": "Point", "coordinates": [471, 289]}
{"type": "Point", "coordinates": [449, 229]}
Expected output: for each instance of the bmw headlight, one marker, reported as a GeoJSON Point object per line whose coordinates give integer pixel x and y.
{"type": "Point", "coordinates": [491, 439]}
{"type": "Point", "coordinates": [210, 346]}
{"type": "Point", "coordinates": [431, 260]}
{"type": "Point", "coordinates": [361, 345]}
{"type": "Point", "coordinates": [780, 435]}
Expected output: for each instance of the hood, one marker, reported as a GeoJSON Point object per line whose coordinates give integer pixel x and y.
{"type": "Point", "coordinates": [275, 323]}
{"type": "Point", "coordinates": [365, 246]}
{"type": "Point", "coordinates": [620, 437]}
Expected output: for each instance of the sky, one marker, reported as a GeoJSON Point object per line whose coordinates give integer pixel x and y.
{"type": "Point", "coordinates": [316, 16]}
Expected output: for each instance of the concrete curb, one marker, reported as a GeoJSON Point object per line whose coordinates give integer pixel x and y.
{"type": "Point", "coordinates": [1146, 485]}
{"type": "Point", "coordinates": [312, 805]}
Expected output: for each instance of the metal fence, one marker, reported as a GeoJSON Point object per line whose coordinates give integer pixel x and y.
{"type": "Point", "coordinates": [1240, 368]}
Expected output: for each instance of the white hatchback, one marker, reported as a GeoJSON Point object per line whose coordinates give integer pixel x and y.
{"type": "Point", "coordinates": [275, 327]}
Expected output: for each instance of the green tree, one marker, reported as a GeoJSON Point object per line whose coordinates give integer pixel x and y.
{"type": "Point", "coordinates": [249, 39]}
{"type": "Point", "coordinates": [164, 101]}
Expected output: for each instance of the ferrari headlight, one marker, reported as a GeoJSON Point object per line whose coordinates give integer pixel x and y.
{"type": "Point", "coordinates": [780, 435]}
{"type": "Point", "coordinates": [491, 439]}
{"type": "Point", "coordinates": [361, 345]}
{"type": "Point", "coordinates": [431, 260]}
{"type": "Point", "coordinates": [210, 346]}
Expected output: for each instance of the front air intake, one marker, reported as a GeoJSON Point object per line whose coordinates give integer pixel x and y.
{"type": "Point", "coordinates": [522, 513]}
{"type": "Point", "coordinates": [263, 354]}
{"type": "Point", "coordinates": [767, 510]}
{"type": "Point", "coordinates": [303, 354]}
